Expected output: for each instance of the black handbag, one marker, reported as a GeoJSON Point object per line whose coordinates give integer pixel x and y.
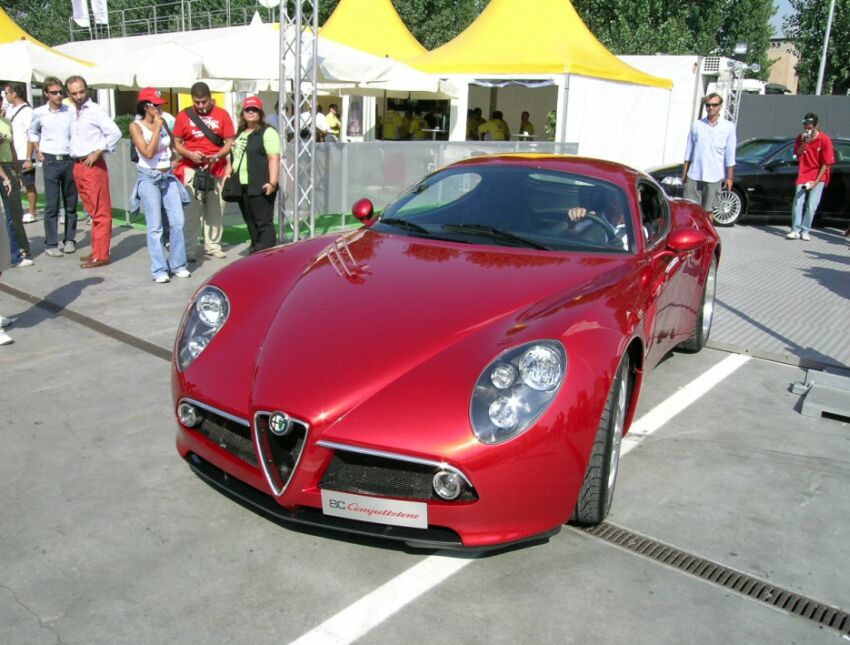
{"type": "Point", "coordinates": [231, 191]}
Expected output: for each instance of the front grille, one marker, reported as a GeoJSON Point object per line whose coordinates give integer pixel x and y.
{"type": "Point", "coordinates": [351, 472]}
{"type": "Point", "coordinates": [228, 434]}
{"type": "Point", "coordinates": [280, 454]}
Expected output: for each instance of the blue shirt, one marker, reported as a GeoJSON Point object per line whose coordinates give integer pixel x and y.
{"type": "Point", "coordinates": [51, 129]}
{"type": "Point", "coordinates": [710, 149]}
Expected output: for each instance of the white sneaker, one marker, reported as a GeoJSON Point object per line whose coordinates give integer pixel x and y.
{"type": "Point", "coordinates": [24, 262]}
{"type": "Point", "coordinates": [5, 339]}
{"type": "Point", "coordinates": [182, 273]}
{"type": "Point", "coordinates": [6, 322]}
{"type": "Point", "coordinates": [28, 219]}
{"type": "Point", "coordinates": [793, 235]}
{"type": "Point", "coordinates": [161, 279]}
{"type": "Point", "coordinates": [805, 237]}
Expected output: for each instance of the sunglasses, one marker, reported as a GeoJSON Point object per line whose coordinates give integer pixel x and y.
{"type": "Point", "coordinates": [54, 92]}
{"type": "Point", "coordinates": [252, 109]}
{"type": "Point", "coordinates": [712, 105]}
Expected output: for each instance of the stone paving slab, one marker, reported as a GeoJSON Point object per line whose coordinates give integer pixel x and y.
{"type": "Point", "coordinates": [786, 300]}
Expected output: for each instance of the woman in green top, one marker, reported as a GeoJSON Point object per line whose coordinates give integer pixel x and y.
{"type": "Point", "coordinates": [256, 162]}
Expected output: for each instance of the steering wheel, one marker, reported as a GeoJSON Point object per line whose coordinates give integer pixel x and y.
{"type": "Point", "coordinates": [604, 224]}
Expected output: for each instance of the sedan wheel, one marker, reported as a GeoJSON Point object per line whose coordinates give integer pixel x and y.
{"type": "Point", "coordinates": [728, 208]}
{"type": "Point", "coordinates": [597, 491]}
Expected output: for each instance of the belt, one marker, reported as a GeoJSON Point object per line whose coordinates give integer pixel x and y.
{"type": "Point", "coordinates": [52, 157]}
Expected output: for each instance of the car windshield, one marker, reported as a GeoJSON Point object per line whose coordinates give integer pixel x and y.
{"type": "Point", "coordinates": [755, 151]}
{"type": "Point", "coordinates": [514, 205]}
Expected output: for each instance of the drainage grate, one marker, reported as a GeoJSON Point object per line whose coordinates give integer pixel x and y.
{"type": "Point", "coordinates": [742, 583]}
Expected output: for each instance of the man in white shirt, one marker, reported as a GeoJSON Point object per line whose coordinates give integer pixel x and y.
{"type": "Point", "coordinates": [19, 114]}
{"type": "Point", "coordinates": [50, 139]}
{"type": "Point", "coordinates": [709, 152]}
{"type": "Point", "coordinates": [93, 133]}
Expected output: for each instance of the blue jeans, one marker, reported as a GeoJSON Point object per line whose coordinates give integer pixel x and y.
{"type": "Point", "coordinates": [158, 191]}
{"type": "Point", "coordinates": [811, 199]}
{"type": "Point", "coordinates": [13, 240]}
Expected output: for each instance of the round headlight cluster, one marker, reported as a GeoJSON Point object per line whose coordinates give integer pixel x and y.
{"type": "Point", "coordinates": [515, 389]}
{"type": "Point", "coordinates": [202, 321]}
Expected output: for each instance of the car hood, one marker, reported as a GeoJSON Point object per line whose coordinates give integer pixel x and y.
{"type": "Point", "coordinates": [371, 308]}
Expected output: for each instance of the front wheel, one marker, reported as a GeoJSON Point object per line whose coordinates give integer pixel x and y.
{"type": "Point", "coordinates": [705, 315]}
{"type": "Point", "coordinates": [729, 207]}
{"type": "Point", "coordinates": [597, 490]}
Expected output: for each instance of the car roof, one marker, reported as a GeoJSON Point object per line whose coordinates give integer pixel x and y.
{"type": "Point", "coordinates": [610, 171]}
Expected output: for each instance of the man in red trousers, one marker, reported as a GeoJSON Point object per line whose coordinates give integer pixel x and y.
{"type": "Point", "coordinates": [93, 133]}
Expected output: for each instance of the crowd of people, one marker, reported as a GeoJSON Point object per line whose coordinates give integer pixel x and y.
{"type": "Point", "coordinates": [185, 172]}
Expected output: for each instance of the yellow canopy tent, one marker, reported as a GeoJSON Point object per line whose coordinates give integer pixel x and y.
{"type": "Point", "coordinates": [546, 37]}
{"type": "Point", "coordinates": [541, 56]}
{"type": "Point", "coordinates": [372, 26]}
{"type": "Point", "coordinates": [25, 59]}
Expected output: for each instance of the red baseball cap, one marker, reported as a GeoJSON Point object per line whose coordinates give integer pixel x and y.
{"type": "Point", "coordinates": [151, 95]}
{"type": "Point", "coordinates": [254, 102]}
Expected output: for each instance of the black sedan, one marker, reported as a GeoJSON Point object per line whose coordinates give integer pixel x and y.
{"type": "Point", "coordinates": [764, 183]}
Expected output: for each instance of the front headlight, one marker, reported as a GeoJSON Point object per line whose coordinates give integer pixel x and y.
{"type": "Point", "coordinates": [208, 313]}
{"type": "Point", "coordinates": [671, 180]}
{"type": "Point", "coordinates": [515, 390]}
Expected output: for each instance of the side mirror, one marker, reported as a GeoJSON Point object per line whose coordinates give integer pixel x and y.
{"type": "Point", "coordinates": [685, 240]}
{"type": "Point", "coordinates": [364, 211]}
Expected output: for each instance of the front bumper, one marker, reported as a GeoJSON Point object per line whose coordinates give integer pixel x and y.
{"type": "Point", "coordinates": [433, 537]}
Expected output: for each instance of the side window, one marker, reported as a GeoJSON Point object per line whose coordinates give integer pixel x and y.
{"type": "Point", "coordinates": [654, 213]}
{"type": "Point", "coordinates": [786, 156]}
{"type": "Point", "coordinates": [842, 151]}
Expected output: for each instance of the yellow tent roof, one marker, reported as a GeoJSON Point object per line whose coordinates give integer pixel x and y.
{"type": "Point", "coordinates": [518, 37]}
{"type": "Point", "coordinates": [10, 32]}
{"type": "Point", "coordinates": [372, 26]}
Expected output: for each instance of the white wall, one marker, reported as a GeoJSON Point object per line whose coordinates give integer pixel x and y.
{"type": "Point", "coordinates": [686, 92]}
{"type": "Point", "coordinates": [618, 121]}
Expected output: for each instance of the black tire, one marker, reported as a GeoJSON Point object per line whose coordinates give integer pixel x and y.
{"type": "Point", "coordinates": [597, 490]}
{"type": "Point", "coordinates": [729, 207]}
{"type": "Point", "coordinates": [705, 315]}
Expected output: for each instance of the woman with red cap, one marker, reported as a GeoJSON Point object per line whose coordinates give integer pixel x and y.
{"type": "Point", "coordinates": [157, 188]}
{"type": "Point", "coordinates": [256, 164]}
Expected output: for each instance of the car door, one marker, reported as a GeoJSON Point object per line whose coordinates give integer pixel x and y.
{"type": "Point", "coordinates": [775, 184]}
{"type": "Point", "coordinates": [665, 277]}
{"type": "Point", "coordinates": [835, 202]}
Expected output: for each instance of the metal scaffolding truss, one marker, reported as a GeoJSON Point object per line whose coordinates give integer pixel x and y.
{"type": "Point", "coordinates": [297, 114]}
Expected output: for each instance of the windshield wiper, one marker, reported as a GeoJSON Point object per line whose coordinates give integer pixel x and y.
{"type": "Point", "coordinates": [494, 233]}
{"type": "Point", "coordinates": [404, 224]}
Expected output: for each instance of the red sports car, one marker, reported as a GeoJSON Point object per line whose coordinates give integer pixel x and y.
{"type": "Point", "coordinates": [460, 371]}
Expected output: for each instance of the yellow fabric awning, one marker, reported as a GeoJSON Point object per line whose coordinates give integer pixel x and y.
{"type": "Point", "coordinates": [517, 37]}
{"type": "Point", "coordinates": [11, 32]}
{"type": "Point", "coordinates": [372, 26]}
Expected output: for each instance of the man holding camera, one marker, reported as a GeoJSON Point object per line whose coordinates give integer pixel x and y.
{"type": "Point", "coordinates": [203, 135]}
{"type": "Point", "coordinates": [815, 153]}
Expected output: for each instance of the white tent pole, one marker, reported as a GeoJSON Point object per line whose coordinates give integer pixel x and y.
{"type": "Point", "coordinates": [561, 109]}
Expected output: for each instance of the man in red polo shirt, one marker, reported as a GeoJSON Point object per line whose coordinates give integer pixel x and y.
{"type": "Point", "coordinates": [815, 153]}
{"type": "Point", "coordinates": [197, 149]}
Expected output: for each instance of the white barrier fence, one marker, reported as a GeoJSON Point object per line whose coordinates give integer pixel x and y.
{"type": "Point", "coordinates": [346, 172]}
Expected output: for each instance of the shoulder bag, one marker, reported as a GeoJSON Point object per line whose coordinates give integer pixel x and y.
{"type": "Point", "coordinates": [203, 181]}
{"type": "Point", "coordinates": [231, 190]}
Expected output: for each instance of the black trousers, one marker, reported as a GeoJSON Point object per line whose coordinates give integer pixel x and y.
{"type": "Point", "coordinates": [13, 207]}
{"type": "Point", "coordinates": [258, 213]}
{"type": "Point", "coordinates": [59, 184]}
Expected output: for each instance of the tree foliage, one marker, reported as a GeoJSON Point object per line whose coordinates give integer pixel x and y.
{"type": "Point", "coordinates": [665, 27]}
{"type": "Point", "coordinates": [806, 26]}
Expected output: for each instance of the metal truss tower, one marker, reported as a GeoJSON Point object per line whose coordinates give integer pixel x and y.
{"type": "Point", "coordinates": [297, 96]}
